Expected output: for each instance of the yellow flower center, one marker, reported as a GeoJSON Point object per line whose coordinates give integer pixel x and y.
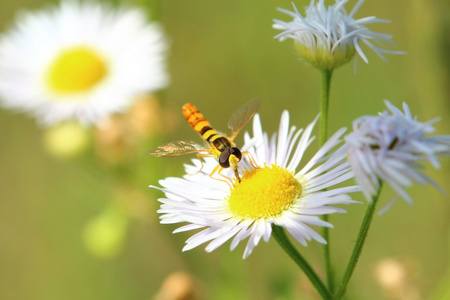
{"type": "Point", "coordinates": [264, 192]}
{"type": "Point", "coordinates": [75, 70]}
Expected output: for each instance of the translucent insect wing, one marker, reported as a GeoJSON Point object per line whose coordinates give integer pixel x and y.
{"type": "Point", "coordinates": [241, 116]}
{"type": "Point", "coordinates": [177, 148]}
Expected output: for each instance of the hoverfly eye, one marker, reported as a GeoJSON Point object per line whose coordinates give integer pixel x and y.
{"type": "Point", "coordinates": [236, 152]}
{"type": "Point", "coordinates": [223, 159]}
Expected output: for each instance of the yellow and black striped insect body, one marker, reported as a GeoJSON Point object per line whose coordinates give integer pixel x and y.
{"type": "Point", "coordinates": [219, 146]}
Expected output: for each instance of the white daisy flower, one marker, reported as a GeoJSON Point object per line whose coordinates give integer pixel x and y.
{"type": "Point", "coordinates": [80, 61]}
{"type": "Point", "coordinates": [277, 192]}
{"type": "Point", "coordinates": [390, 147]}
{"type": "Point", "coordinates": [327, 37]}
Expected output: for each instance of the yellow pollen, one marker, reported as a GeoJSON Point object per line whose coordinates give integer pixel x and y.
{"type": "Point", "coordinates": [75, 70]}
{"type": "Point", "coordinates": [264, 192]}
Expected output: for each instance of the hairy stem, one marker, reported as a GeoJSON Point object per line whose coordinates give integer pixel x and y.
{"type": "Point", "coordinates": [363, 231]}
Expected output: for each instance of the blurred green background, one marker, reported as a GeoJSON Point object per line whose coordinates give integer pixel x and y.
{"type": "Point", "coordinates": [222, 55]}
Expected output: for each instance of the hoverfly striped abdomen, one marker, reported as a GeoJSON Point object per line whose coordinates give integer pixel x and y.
{"type": "Point", "coordinates": [198, 122]}
{"type": "Point", "coordinates": [204, 128]}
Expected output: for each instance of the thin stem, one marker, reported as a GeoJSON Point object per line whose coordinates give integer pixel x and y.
{"type": "Point", "coordinates": [363, 231]}
{"type": "Point", "coordinates": [152, 8]}
{"type": "Point", "coordinates": [282, 239]}
{"type": "Point", "coordinates": [323, 135]}
{"type": "Point", "coordinates": [329, 274]}
{"type": "Point", "coordinates": [323, 125]}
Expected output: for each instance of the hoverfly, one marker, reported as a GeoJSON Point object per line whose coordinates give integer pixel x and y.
{"type": "Point", "coordinates": [219, 146]}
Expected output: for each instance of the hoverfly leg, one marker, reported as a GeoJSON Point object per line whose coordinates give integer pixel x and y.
{"type": "Point", "coordinates": [199, 156]}
{"type": "Point", "coordinates": [251, 159]}
{"type": "Point", "coordinates": [218, 169]}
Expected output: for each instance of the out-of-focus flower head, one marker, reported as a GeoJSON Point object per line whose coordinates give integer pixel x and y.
{"type": "Point", "coordinates": [80, 61]}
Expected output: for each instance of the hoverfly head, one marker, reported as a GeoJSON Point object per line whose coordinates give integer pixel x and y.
{"type": "Point", "coordinates": [231, 157]}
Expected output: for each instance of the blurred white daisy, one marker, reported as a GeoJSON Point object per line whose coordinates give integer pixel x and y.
{"type": "Point", "coordinates": [390, 147]}
{"type": "Point", "coordinates": [327, 37]}
{"type": "Point", "coordinates": [275, 193]}
{"type": "Point", "coordinates": [80, 61]}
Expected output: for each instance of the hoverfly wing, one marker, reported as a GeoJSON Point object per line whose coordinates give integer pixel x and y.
{"type": "Point", "coordinates": [241, 116]}
{"type": "Point", "coordinates": [177, 148]}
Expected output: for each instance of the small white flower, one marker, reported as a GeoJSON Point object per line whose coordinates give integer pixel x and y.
{"type": "Point", "coordinates": [80, 61]}
{"type": "Point", "coordinates": [327, 37]}
{"type": "Point", "coordinates": [275, 193]}
{"type": "Point", "coordinates": [390, 147]}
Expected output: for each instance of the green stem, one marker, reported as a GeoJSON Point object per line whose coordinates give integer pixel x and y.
{"type": "Point", "coordinates": [329, 276]}
{"type": "Point", "coordinates": [364, 229]}
{"type": "Point", "coordinates": [280, 236]}
{"type": "Point", "coordinates": [323, 124]}
{"type": "Point", "coordinates": [323, 136]}
{"type": "Point", "coordinates": [151, 7]}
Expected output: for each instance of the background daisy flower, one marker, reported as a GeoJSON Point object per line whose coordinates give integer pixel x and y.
{"type": "Point", "coordinates": [328, 37]}
{"type": "Point", "coordinates": [275, 193]}
{"type": "Point", "coordinates": [390, 147]}
{"type": "Point", "coordinates": [80, 61]}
